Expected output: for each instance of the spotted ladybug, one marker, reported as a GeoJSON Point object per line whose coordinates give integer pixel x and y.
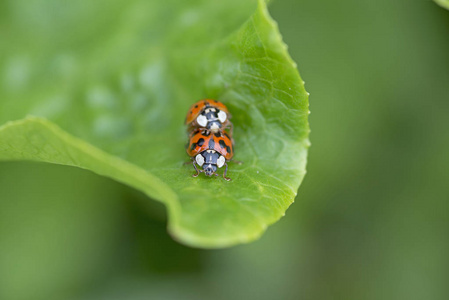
{"type": "Point", "coordinates": [208, 114]}
{"type": "Point", "coordinates": [210, 151]}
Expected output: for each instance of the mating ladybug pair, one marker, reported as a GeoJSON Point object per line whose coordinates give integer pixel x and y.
{"type": "Point", "coordinates": [210, 142]}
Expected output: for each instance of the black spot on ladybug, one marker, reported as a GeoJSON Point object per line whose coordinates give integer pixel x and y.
{"type": "Point", "coordinates": [222, 144]}
{"type": "Point", "coordinates": [228, 149]}
{"type": "Point", "coordinates": [217, 134]}
{"type": "Point", "coordinates": [211, 144]}
{"type": "Point", "coordinates": [196, 106]}
{"type": "Point", "coordinates": [193, 146]}
{"type": "Point", "coordinates": [200, 142]}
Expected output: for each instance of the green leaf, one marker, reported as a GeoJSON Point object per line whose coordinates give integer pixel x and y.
{"type": "Point", "coordinates": [443, 3]}
{"type": "Point", "coordinates": [105, 86]}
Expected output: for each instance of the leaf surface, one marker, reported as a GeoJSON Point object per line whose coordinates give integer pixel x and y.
{"type": "Point", "coordinates": [105, 86]}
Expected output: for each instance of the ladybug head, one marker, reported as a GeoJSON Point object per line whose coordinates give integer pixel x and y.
{"type": "Point", "coordinates": [209, 169]}
{"type": "Point", "coordinates": [210, 161]}
{"type": "Point", "coordinates": [214, 126]}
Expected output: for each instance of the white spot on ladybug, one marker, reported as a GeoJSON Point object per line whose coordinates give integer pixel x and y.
{"type": "Point", "coordinates": [199, 159]}
{"type": "Point", "coordinates": [220, 161]}
{"type": "Point", "coordinates": [222, 116]}
{"type": "Point", "coordinates": [201, 120]}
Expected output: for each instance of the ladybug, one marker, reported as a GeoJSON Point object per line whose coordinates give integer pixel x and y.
{"type": "Point", "coordinates": [210, 150]}
{"type": "Point", "coordinates": [208, 114]}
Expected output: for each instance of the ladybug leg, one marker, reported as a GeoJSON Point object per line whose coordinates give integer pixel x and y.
{"type": "Point", "coordinates": [192, 131]}
{"type": "Point", "coordinates": [224, 174]}
{"type": "Point", "coordinates": [187, 162]}
{"type": "Point", "coordinates": [196, 169]}
{"type": "Point", "coordinates": [229, 129]}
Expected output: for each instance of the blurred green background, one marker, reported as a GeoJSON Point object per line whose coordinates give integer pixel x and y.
{"type": "Point", "coordinates": [371, 217]}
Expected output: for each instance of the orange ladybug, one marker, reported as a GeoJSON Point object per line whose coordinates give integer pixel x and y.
{"type": "Point", "coordinates": [210, 151]}
{"type": "Point", "coordinates": [208, 114]}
